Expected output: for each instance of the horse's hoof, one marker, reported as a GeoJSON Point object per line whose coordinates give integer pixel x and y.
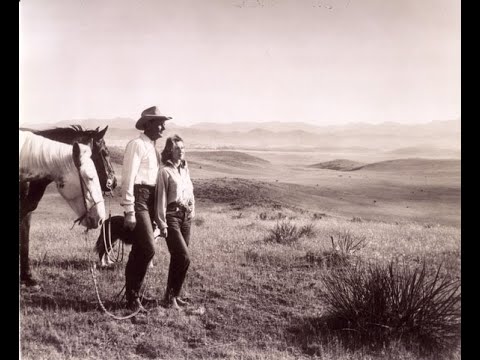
{"type": "Point", "coordinates": [31, 288]}
{"type": "Point", "coordinates": [30, 283]}
{"type": "Point", "coordinates": [102, 266]}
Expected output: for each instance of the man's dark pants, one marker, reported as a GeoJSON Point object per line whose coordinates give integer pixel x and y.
{"type": "Point", "coordinates": [178, 238]}
{"type": "Point", "coordinates": [143, 239]}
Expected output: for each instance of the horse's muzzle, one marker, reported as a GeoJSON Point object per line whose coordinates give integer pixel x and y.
{"type": "Point", "coordinates": [92, 223]}
{"type": "Point", "coordinates": [111, 183]}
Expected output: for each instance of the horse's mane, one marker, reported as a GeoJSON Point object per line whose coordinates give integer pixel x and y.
{"type": "Point", "coordinates": [67, 133]}
{"type": "Point", "coordinates": [44, 156]}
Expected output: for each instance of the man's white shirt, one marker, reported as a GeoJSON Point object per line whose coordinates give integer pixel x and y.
{"type": "Point", "coordinates": [140, 166]}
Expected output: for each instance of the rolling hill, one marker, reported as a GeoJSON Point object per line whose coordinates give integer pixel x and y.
{"type": "Point", "coordinates": [400, 166]}
{"type": "Point", "coordinates": [338, 164]}
{"type": "Point", "coordinates": [231, 158]}
{"type": "Point", "coordinates": [413, 165]}
{"type": "Point", "coordinates": [208, 163]}
{"type": "Point", "coordinates": [425, 152]}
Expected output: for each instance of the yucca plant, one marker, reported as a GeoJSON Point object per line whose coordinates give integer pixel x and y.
{"type": "Point", "coordinates": [381, 303]}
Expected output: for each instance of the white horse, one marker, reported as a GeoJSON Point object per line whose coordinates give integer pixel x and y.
{"type": "Point", "coordinates": [70, 167]}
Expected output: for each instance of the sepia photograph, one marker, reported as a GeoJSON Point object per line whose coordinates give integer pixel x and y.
{"type": "Point", "coordinates": [239, 179]}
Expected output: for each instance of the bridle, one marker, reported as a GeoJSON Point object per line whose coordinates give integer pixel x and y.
{"type": "Point", "coordinates": [83, 185]}
{"type": "Point", "coordinates": [108, 169]}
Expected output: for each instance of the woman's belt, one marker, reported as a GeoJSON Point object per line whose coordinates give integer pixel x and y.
{"type": "Point", "coordinates": [175, 206]}
{"type": "Point", "coordinates": [144, 186]}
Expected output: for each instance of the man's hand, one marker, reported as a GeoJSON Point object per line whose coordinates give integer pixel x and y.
{"type": "Point", "coordinates": [164, 233]}
{"type": "Point", "coordinates": [130, 221]}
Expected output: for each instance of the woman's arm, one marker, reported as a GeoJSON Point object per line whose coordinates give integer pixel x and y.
{"type": "Point", "coordinates": [192, 193]}
{"type": "Point", "coordinates": [161, 190]}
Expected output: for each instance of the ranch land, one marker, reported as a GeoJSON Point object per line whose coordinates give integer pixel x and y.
{"type": "Point", "coordinates": [256, 293]}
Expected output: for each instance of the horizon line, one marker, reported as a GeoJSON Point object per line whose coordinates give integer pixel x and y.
{"type": "Point", "coordinates": [349, 123]}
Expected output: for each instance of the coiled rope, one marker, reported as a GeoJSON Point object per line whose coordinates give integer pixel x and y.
{"type": "Point", "coordinates": [107, 242]}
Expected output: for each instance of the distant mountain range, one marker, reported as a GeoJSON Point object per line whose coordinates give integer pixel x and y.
{"type": "Point", "coordinates": [434, 139]}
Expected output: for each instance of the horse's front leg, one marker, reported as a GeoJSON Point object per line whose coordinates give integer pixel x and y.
{"type": "Point", "coordinates": [26, 276]}
{"type": "Point", "coordinates": [30, 195]}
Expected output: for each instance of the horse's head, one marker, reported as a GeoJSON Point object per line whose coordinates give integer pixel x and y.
{"type": "Point", "coordinates": [101, 159]}
{"type": "Point", "coordinates": [93, 138]}
{"type": "Point", "coordinates": [81, 188]}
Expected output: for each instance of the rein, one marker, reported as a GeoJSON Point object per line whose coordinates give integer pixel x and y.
{"type": "Point", "coordinates": [93, 271]}
{"type": "Point", "coordinates": [94, 277]}
{"type": "Point", "coordinates": [94, 265]}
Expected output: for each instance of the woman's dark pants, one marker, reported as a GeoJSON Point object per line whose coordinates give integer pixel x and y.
{"type": "Point", "coordinates": [142, 246]}
{"type": "Point", "coordinates": [178, 238]}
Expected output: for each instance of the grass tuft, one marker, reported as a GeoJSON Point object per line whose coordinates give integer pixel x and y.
{"type": "Point", "coordinates": [263, 216]}
{"type": "Point", "coordinates": [348, 243]}
{"type": "Point", "coordinates": [199, 221]}
{"type": "Point", "coordinates": [284, 233]}
{"type": "Point", "coordinates": [327, 259]}
{"type": "Point", "coordinates": [147, 350]}
{"type": "Point", "coordinates": [307, 231]}
{"type": "Point", "coordinates": [318, 216]}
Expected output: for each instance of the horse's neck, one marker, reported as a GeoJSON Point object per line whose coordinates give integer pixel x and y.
{"type": "Point", "coordinates": [41, 157]}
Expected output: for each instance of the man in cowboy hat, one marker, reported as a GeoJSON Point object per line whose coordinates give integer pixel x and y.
{"type": "Point", "coordinates": [139, 174]}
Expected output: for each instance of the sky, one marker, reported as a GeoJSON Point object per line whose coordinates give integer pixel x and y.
{"type": "Point", "coordinates": [321, 62]}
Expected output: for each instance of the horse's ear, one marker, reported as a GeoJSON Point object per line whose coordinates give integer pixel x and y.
{"type": "Point", "coordinates": [101, 134]}
{"type": "Point", "coordinates": [76, 154]}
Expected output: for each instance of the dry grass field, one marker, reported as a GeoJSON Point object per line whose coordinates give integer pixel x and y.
{"type": "Point", "coordinates": [253, 298]}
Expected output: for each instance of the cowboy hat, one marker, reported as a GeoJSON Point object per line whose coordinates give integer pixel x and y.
{"type": "Point", "coordinates": [152, 113]}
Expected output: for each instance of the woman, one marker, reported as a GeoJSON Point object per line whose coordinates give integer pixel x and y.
{"type": "Point", "coordinates": [175, 208]}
